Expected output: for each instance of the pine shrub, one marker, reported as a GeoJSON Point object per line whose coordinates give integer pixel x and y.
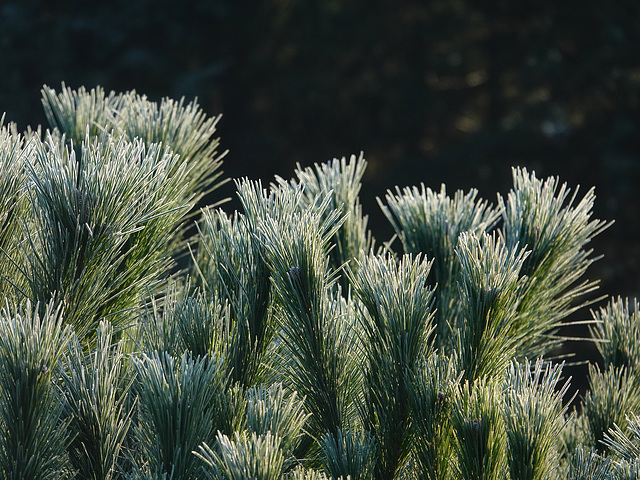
{"type": "Point", "coordinates": [279, 342]}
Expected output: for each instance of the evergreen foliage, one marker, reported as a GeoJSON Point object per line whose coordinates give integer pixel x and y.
{"type": "Point", "coordinates": [533, 392]}
{"type": "Point", "coordinates": [13, 204]}
{"type": "Point", "coordinates": [543, 218]}
{"type": "Point", "coordinates": [34, 433]}
{"type": "Point", "coordinates": [101, 218]}
{"type": "Point", "coordinates": [183, 128]}
{"type": "Point", "coordinates": [397, 321]}
{"type": "Point", "coordinates": [183, 403]}
{"type": "Point", "coordinates": [96, 392]}
{"type": "Point", "coordinates": [341, 182]}
{"type": "Point", "coordinates": [430, 223]}
{"type": "Point", "coordinates": [434, 382]}
{"type": "Point", "coordinates": [625, 445]}
{"type": "Point", "coordinates": [490, 291]}
{"type": "Point", "coordinates": [617, 327]}
{"type": "Point", "coordinates": [230, 267]}
{"type": "Point", "coordinates": [288, 348]}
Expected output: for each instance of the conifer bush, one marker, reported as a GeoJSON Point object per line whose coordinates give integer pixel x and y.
{"type": "Point", "coordinates": [285, 344]}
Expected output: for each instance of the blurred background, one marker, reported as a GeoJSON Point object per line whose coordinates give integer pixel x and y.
{"type": "Point", "coordinates": [442, 91]}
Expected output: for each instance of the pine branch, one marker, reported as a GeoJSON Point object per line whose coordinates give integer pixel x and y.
{"type": "Point", "coordinates": [252, 456]}
{"type": "Point", "coordinates": [479, 432]}
{"type": "Point", "coordinates": [14, 151]}
{"type": "Point", "coordinates": [624, 444]}
{"type": "Point", "coordinates": [434, 383]}
{"type": "Point", "coordinates": [613, 394]}
{"type": "Point", "coordinates": [183, 403]}
{"type": "Point", "coordinates": [76, 113]}
{"type": "Point", "coordinates": [230, 266]}
{"type": "Point", "coordinates": [533, 415]}
{"type": "Point", "coordinates": [341, 181]}
{"type": "Point", "coordinates": [541, 217]}
{"type": "Point", "coordinates": [271, 410]}
{"type": "Point", "coordinates": [33, 434]}
{"type": "Point", "coordinates": [349, 455]}
{"type": "Point", "coordinates": [183, 129]}
{"type": "Point", "coordinates": [295, 245]}
{"type": "Point", "coordinates": [102, 218]}
{"type": "Point", "coordinates": [589, 465]}
{"type": "Point", "coordinates": [488, 332]}
{"type": "Point", "coordinates": [617, 334]}
{"type": "Point", "coordinates": [96, 390]}
{"type": "Point", "coordinates": [430, 223]}
{"type": "Point", "coordinates": [397, 321]}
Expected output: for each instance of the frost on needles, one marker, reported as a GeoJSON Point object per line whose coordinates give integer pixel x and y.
{"type": "Point", "coordinates": [282, 341]}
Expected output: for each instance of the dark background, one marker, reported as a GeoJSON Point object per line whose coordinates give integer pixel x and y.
{"type": "Point", "coordinates": [443, 91]}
